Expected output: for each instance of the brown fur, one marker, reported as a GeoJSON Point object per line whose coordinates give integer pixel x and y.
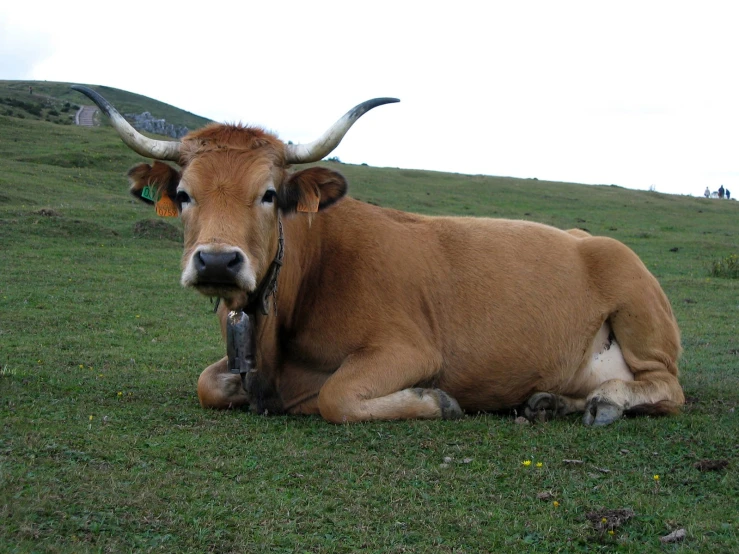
{"type": "Point", "coordinates": [579, 233]}
{"type": "Point", "coordinates": [373, 303]}
{"type": "Point", "coordinates": [661, 408]}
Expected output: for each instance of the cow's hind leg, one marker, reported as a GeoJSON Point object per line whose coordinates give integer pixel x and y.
{"type": "Point", "coordinates": [381, 384]}
{"type": "Point", "coordinates": [649, 339]}
{"type": "Point", "coordinates": [218, 388]}
{"type": "Point", "coordinates": [650, 394]}
{"type": "Point", "coordinates": [644, 328]}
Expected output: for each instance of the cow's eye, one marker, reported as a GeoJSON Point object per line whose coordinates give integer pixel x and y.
{"type": "Point", "coordinates": [182, 198]}
{"type": "Point", "coordinates": [269, 196]}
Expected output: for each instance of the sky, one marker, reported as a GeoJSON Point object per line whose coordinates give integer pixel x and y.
{"type": "Point", "coordinates": [640, 94]}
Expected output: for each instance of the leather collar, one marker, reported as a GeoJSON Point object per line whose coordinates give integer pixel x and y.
{"type": "Point", "coordinates": [259, 299]}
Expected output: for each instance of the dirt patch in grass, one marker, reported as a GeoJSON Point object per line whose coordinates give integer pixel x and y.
{"type": "Point", "coordinates": [47, 212]}
{"type": "Point", "coordinates": [156, 229]}
{"type": "Point", "coordinates": [608, 520]}
{"type": "Point", "coordinates": [711, 465]}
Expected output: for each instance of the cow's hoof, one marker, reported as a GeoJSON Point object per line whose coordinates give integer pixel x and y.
{"type": "Point", "coordinates": [449, 406]}
{"type": "Point", "coordinates": [600, 412]}
{"type": "Point", "coordinates": [542, 406]}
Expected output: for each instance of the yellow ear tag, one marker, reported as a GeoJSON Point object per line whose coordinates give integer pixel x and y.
{"type": "Point", "coordinates": [165, 207]}
{"type": "Point", "coordinates": [309, 205]}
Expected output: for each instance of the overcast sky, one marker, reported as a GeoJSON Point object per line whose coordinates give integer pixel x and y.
{"type": "Point", "coordinates": [637, 94]}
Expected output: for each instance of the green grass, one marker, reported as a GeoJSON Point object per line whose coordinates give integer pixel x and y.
{"type": "Point", "coordinates": [727, 267]}
{"type": "Point", "coordinates": [94, 324]}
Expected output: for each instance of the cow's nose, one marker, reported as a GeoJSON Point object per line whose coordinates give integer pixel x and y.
{"type": "Point", "coordinates": [218, 267]}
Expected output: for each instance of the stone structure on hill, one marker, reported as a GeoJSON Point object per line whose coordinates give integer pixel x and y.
{"type": "Point", "coordinates": [146, 122]}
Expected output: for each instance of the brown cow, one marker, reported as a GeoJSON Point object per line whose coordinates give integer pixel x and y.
{"type": "Point", "coordinates": [381, 314]}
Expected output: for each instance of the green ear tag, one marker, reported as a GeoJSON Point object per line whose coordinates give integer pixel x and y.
{"type": "Point", "coordinates": [148, 193]}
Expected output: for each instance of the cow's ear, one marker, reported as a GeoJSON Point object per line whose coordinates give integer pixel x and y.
{"type": "Point", "coordinates": [311, 190]}
{"type": "Point", "coordinates": [150, 183]}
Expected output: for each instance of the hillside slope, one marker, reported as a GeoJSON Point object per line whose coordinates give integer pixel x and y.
{"type": "Point", "coordinates": [57, 103]}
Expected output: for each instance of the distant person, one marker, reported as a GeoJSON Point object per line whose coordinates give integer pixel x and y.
{"type": "Point", "coordinates": [728, 194]}
{"type": "Point", "coordinates": [721, 191]}
{"type": "Point", "coordinates": [707, 193]}
{"type": "Point", "coordinates": [30, 90]}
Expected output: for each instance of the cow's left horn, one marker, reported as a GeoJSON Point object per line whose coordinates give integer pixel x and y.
{"type": "Point", "coordinates": [149, 148]}
{"type": "Point", "coordinates": [323, 146]}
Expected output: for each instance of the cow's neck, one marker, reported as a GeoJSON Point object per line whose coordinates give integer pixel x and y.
{"type": "Point", "coordinates": [262, 384]}
{"type": "Point", "coordinates": [258, 301]}
{"type": "Point", "coordinates": [296, 248]}
{"type": "Point", "coordinates": [301, 240]}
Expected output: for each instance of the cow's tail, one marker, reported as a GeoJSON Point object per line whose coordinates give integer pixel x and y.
{"type": "Point", "coordinates": [661, 408]}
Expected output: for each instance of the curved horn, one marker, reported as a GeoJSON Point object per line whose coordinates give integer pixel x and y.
{"type": "Point", "coordinates": [318, 149]}
{"type": "Point", "coordinates": [149, 148]}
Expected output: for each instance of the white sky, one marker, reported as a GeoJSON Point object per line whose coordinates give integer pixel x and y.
{"type": "Point", "coordinates": [637, 94]}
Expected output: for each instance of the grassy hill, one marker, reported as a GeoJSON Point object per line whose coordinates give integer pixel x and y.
{"type": "Point", "coordinates": [103, 446]}
{"type": "Point", "coordinates": [57, 103]}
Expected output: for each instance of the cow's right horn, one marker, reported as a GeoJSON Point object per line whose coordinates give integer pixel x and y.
{"type": "Point", "coordinates": [149, 148]}
{"type": "Point", "coordinates": [324, 145]}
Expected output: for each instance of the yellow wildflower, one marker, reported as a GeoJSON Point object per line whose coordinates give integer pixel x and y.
{"type": "Point", "coordinates": [90, 418]}
{"type": "Point", "coordinates": [610, 531]}
{"type": "Point", "coordinates": [526, 463]}
{"type": "Point", "coordinates": [555, 504]}
{"type": "Point", "coordinates": [656, 477]}
{"type": "Point", "coordinates": [539, 464]}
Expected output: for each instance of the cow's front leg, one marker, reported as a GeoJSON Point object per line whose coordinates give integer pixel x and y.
{"type": "Point", "coordinates": [380, 384]}
{"type": "Point", "coordinates": [544, 406]}
{"type": "Point", "coordinates": [219, 388]}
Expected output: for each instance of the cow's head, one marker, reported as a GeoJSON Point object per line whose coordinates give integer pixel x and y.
{"type": "Point", "coordinates": [231, 187]}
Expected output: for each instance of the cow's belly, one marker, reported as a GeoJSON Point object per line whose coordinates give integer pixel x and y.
{"type": "Point", "coordinates": [603, 362]}
{"type": "Point", "coordinates": [501, 382]}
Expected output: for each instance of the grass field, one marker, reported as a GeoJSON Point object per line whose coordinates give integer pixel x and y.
{"type": "Point", "coordinates": [104, 448]}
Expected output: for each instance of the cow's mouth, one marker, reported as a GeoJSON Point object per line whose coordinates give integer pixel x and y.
{"type": "Point", "coordinates": [232, 296]}
{"type": "Point", "coordinates": [222, 290]}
